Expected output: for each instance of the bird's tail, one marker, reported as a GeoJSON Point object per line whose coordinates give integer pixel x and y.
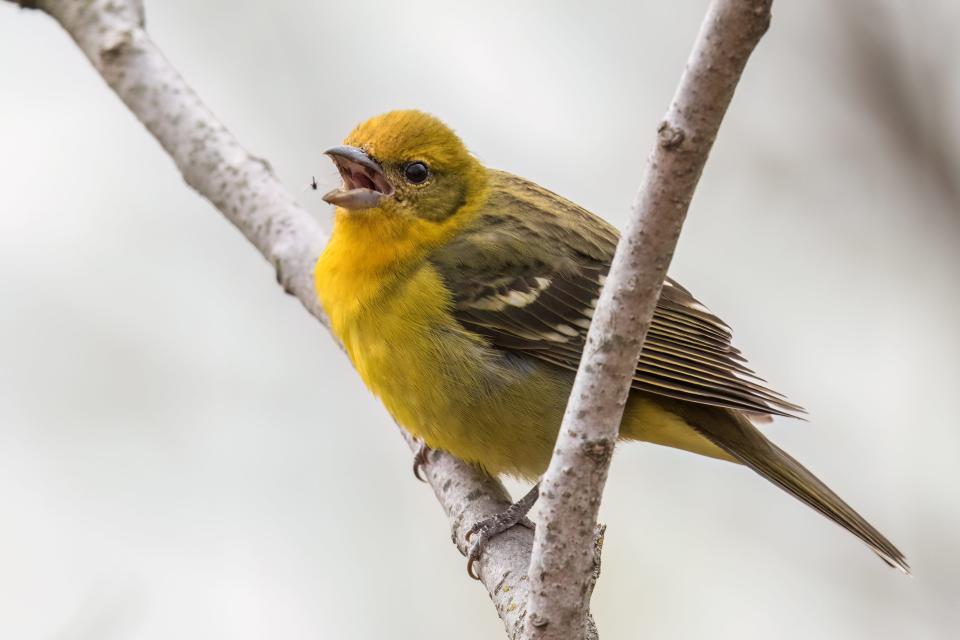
{"type": "Point", "coordinates": [744, 442]}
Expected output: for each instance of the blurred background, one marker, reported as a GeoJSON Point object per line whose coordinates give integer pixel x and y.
{"type": "Point", "coordinates": [185, 453]}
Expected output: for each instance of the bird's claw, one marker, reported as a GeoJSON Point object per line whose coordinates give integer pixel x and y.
{"type": "Point", "coordinates": [481, 532]}
{"type": "Point", "coordinates": [472, 559]}
{"type": "Point", "coordinates": [484, 530]}
{"type": "Point", "coordinates": [420, 460]}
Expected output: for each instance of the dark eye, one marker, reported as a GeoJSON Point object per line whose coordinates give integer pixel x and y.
{"type": "Point", "coordinates": [416, 172]}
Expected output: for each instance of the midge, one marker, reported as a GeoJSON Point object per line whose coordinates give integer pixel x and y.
{"type": "Point", "coordinates": [463, 295]}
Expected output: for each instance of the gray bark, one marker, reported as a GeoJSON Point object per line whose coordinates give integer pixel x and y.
{"type": "Point", "coordinates": [242, 186]}
{"type": "Point", "coordinates": [561, 567]}
{"type": "Point", "coordinates": [565, 560]}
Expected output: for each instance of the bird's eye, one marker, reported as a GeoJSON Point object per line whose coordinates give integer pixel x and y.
{"type": "Point", "coordinates": [416, 172]}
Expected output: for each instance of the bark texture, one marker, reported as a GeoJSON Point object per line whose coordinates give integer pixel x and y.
{"type": "Point", "coordinates": [561, 567]}
{"type": "Point", "coordinates": [554, 601]}
{"type": "Point", "coordinates": [242, 186]}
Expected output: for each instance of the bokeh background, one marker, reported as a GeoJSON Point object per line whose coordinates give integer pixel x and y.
{"type": "Point", "coordinates": [184, 453]}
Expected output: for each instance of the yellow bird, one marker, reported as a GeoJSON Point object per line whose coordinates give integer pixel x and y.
{"type": "Point", "coordinates": [463, 295]}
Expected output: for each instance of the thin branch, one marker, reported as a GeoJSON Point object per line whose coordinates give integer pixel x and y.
{"type": "Point", "coordinates": [111, 34]}
{"type": "Point", "coordinates": [244, 189]}
{"type": "Point", "coordinates": [571, 489]}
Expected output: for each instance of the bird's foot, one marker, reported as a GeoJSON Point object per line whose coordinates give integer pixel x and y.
{"type": "Point", "coordinates": [481, 532]}
{"type": "Point", "coordinates": [420, 460]}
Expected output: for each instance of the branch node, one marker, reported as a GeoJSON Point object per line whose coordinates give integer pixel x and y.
{"type": "Point", "coordinates": [114, 48]}
{"type": "Point", "coordinates": [599, 449]}
{"type": "Point", "coordinates": [538, 621]}
{"type": "Point", "coordinates": [263, 162]}
{"type": "Point", "coordinates": [669, 136]}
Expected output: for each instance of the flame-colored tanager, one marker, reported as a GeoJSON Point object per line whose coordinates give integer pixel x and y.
{"type": "Point", "coordinates": [463, 295]}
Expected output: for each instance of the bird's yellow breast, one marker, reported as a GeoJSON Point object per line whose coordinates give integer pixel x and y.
{"type": "Point", "coordinates": [440, 382]}
{"type": "Point", "coordinates": [392, 312]}
{"type": "Point", "coordinates": [378, 293]}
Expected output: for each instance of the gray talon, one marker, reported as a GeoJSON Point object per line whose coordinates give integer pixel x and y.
{"type": "Point", "coordinates": [481, 532]}
{"type": "Point", "coordinates": [420, 460]}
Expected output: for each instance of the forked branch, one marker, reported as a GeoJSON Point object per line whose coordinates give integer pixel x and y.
{"type": "Point", "coordinates": [565, 555]}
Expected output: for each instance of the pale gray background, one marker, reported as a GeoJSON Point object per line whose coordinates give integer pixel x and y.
{"type": "Point", "coordinates": [184, 453]}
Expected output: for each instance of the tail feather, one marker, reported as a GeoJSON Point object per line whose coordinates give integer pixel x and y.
{"type": "Point", "coordinates": [744, 442]}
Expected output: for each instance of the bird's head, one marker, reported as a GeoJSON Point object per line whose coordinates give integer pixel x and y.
{"type": "Point", "coordinates": [405, 163]}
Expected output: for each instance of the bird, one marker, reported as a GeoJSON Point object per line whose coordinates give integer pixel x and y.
{"type": "Point", "coordinates": [463, 294]}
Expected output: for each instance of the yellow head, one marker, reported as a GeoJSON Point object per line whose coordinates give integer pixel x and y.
{"type": "Point", "coordinates": [405, 163]}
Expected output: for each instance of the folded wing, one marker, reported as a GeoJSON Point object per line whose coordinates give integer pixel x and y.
{"type": "Point", "coordinates": [527, 274]}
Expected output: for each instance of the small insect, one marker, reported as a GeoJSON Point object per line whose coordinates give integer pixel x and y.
{"type": "Point", "coordinates": [313, 184]}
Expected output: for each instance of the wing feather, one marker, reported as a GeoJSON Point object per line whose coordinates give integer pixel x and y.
{"type": "Point", "coordinates": [526, 275]}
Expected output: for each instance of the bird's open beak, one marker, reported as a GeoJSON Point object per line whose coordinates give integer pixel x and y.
{"type": "Point", "coordinates": [364, 183]}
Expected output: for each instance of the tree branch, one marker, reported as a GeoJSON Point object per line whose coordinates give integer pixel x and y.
{"type": "Point", "coordinates": [111, 33]}
{"type": "Point", "coordinates": [566, 554]}
{"type": "Point", "coordinates": [571, 489]}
